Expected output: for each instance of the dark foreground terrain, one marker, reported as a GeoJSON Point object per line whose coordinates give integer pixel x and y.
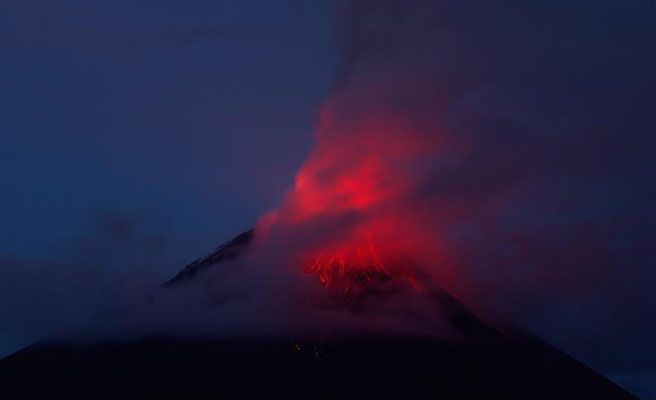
{"type": "Point", "coordinates": [520, 368]}
{"type": "Point", "coordinates": [487, 363]}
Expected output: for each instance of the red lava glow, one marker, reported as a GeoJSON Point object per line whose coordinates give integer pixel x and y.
{"type": "Point", "coordinates": [363, 168]}
{"type": "Point", "coordinates": [355, 189]}
{"type": "Point", "coordinates": [352, 269]}
{"type": "Point", "coordinates": [358, 164]}
{"type": "Point", "coordinates": [366, 259]}
{"type": "Point", "coordinates": [349, 268]}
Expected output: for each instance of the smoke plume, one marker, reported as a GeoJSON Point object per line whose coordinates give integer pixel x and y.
{"type": "Point", "coordinates": [498, 152]}
{"type": "Point", "coordinates": [483, 150]}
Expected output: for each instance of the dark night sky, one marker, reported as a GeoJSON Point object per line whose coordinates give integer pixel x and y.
{"type": "Point", "coordinates": [158, 125]}
{"type": "Point", "coordinates": [136, 135]}
{"type": "Point", "coordinates": [194, 114]}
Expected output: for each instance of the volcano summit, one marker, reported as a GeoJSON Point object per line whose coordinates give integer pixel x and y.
{"type": "Point", "coordinates": [480, 360]}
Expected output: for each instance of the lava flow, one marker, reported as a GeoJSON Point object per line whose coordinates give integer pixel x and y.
{"type": "Point", "coordinates": [350, 268]}
{"type": "Point", "coordinates": [361, 265]}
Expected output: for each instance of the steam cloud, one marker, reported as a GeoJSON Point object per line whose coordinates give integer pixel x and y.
{"type": "Point", "coordinates": [500, 161]}
{"type": "Point", "coordinates": [498, 148]}
{"type": "Point", "coordinates": [503, 160]}
{"type": "Point", "coordinates": [488, 157]}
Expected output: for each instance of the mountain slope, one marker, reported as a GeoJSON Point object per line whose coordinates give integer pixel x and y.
{"type": "Point", "coordinates": [371, 367]}
{"type": "Point", "coordinates": [224, 252]}
{"type": "Point", "coordinates": [484, 362]}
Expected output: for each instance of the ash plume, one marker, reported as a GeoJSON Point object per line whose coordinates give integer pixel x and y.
{"type": "Point", "coordinates": [442, 145]}
{"type": "Point", "coordinates": [445, 140]}
{"type": "Point", "coordinates": [442, 149]}
{"type": "Point", "coordinates": [473, 148]}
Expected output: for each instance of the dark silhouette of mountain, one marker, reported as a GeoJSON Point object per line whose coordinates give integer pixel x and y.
{"type": "Point", "coordinates": [485, 362]}
{"type": "Point", "coordinates": [224, 252]}
{"type": "Point", "coordinates": [365, 367]}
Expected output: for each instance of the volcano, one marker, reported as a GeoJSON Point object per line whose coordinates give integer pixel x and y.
{"type": "Point", "coordinates": [485, 361]}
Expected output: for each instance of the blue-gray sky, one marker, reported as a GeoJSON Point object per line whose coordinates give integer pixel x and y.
{"type": "Point", "coordinates": [193, 114]}
{"type": "Point", "coordinates": [173, 124]}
